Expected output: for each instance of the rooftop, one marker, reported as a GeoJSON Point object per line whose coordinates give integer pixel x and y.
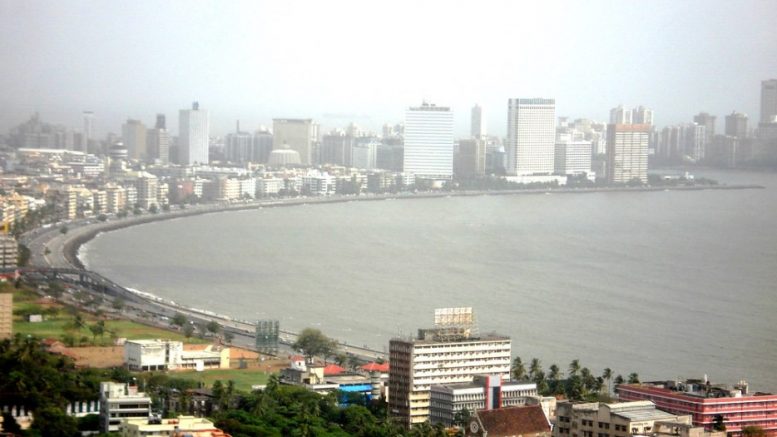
{"type": "Point", "coordinates": [514, 421]}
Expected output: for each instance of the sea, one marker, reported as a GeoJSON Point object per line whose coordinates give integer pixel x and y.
{"type": "Point", "coordinates": [667, 284]}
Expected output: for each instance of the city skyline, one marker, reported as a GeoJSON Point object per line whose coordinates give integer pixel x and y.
{"type": "Point", "coordinates": [272, 68]}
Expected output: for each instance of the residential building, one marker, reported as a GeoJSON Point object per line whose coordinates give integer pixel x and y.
{"type": "Point", "coordinates": [296, 134]}
{"type": "Point", "coordinates": [621, 115]}
{"type": "Point", "coordinates": [148, 190]}
{"type": "Point", "coordinates": [158, 141]}
{"type": "Point", "coordinates": [6, 315]}
{"type": "Point", "coordinates": [88, 135]}
{"type": "Point", "coordinates": [121, 402]}
{"type": "Point", "coordinates": [768, 100]}
{"type": "Point", "coordinates": [193, 135]}
{"type": "Point", "coordinates": [478, 123]}
{"type": "Point", "coordinates": [471, 158]}
{"type": "Point", "coordinates": [708, 121]}
{"type": "Point", "coordinates": [622, 419]}
{"type": "Point", "coordinates": [484, 392]}
{"type": "Point", "coordinates": [736, 125]}
{"type": "Point", "coordinates": [627, 152]}
{"type": "Point", "coordinates": [262, 145]}
{"type": "Point", "coordinates": [531, 136]}
{"type": "Point", "coordinates": [572, 156]}
{"type": "Point", "coordinates": [9, 252]}
{"type": "Point", "coordinates": [642, 115]}
{"type": "Point", "coordinates": [188, 426]}
{"type": "Point", "coordinates": [238, 146]}
{"type": "Point", "coordinates": [336, 148]}
{"type": "Point", "coordinates": [429, 142]}
{"type": "Point", "coordinates": [452, 352]}
{"type": "Point", "coordinates": [134, 136]}
{"type": "Point", "coordinates": [528, 421]}
{"type": "Point", "coordinates": [703, 402]}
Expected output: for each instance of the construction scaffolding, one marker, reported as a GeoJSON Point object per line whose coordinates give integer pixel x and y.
{"type": "Point", "coordinates": [267, 336]}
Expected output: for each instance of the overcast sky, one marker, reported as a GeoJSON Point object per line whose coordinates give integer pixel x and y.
{"type": "Point", "coordinates": [366, 61]}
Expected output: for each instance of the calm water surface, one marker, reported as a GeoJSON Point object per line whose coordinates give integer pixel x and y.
{"type": "Point", "coordinates": [666, 284]}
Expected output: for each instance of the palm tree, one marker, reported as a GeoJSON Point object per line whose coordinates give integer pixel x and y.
{"type": "Point", "coordinates": [619, 380]}
{"type": "Point", "coordinates": [518, 370]}
{"type": "Point", "coordinates": [535, 368]}
{"type": "Point", "coordinates": [607, 375]}
{"type": "Point", "coordinates": [574, 367]}
{"type": "Point", "coordinates": [633, 378]}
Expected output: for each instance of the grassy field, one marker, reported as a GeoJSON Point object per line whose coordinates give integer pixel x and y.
{"type": "Point", "coordinates": [58, 321]}
{"type": "Point", "coordinates": [243, 378]}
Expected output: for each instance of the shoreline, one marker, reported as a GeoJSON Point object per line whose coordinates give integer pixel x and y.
{"type": "Point", "coordinates": [72, 245]}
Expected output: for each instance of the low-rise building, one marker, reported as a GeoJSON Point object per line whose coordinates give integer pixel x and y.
{"type": "Point", "coordinates": [121, 402]}
{"type": "Point", "coordinates": [6, 315]}
{"type": "Point", "coordinates": [528, 421]}
{"type": "Point", "coordinates": [623, 419]}
{"type": "Point", "coordinates": [485, 392]}
{"type": "Point", "coordinates": [706, 403]}
{"type": "Point", "coordinates": [145, 355]}
{"type": "Point", "coordinates": [188, 426]}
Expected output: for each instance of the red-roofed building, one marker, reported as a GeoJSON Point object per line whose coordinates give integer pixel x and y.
{"type": "Point", "coordinates": [529, 421]}
{"type": "Point", "coordinates": [703, 402]}
{"type": "Point", "coordinates": [333, 369]}
{"type": "Point", "coordinates": [375, 367]}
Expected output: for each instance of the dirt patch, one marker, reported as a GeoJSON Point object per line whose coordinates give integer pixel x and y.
{"type": "Point", "coordinates": [98, 357]}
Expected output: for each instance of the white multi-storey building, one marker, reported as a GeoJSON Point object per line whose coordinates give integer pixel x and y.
{"type": "Point", "coordinates": [627, 152]}
{"type": "Point", "coordinates": [193, 131]}
{"type": "Point", "coordinates": [621, 115]}
{"type": "Point", "coordinates": [446, 354]}
{"type": "Point", "coordinates": [485, 392]}
{"type": "Point", "coordinates": [429, 141]}
{"type": "Point", "coordinates": [531, 136]}
{"type": "Point", "coordinates": [121, 401]}
{"type": "Point", "coordinates": [572, 156]}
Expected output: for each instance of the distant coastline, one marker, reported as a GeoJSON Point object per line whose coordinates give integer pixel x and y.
{"type": "Point", "coordinates": [72, 245]}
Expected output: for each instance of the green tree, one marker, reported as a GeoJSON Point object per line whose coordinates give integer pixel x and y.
{"type": "Point", "coordinates": [102, 217]}
{"type": "Point", "coordinates": [574, 367]}
{"type": "Point", "coordinates": [97, 329]}
{"type": "Point", "coordinates": [188, 330]}
{"type": "Point", "coordinates": [518, 370]}
{"type": "Point", "coordinates": [56, 289]}
{"type": "Point", "coordinates": [751, 431]}
{"type": "Point", "coordinates": [118, 304]}
{"type": "Point", "coordinates": [535, 367]}
{"type": "Point", "coordinates": [717, 423]}
{"type": "Point", "coordinates": [633, 378]}
{"type": "Point", "coordinates": [607, 376]}
{"type": "Point", "coordinates": [462, 417]}
{"type": "Point", "coordinates": [63, 230]}
{"type": "Point", "coordinates": [228, 337]}
{"type": "Point", "coordinates": [213, 327]}
{"type": "Point", "coordinates": [619, 380]}
{"type": "Point", "coordinates": [178, 319]}
{"type": "Point", "coordinates": [153, 209]}
{"type": "Point", "coordinates": [312, 342]}
{"type": "Point", "coordinates": [53, 422]}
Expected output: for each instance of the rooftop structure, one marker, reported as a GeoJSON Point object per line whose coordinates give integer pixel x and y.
{"type": "Point", "coordinates": [610, 420]}
{"type": "Point", "coordinates": [528, 421]}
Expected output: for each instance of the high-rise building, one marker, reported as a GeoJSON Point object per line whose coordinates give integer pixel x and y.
{"type": "Point", "coordinates": [736, 125]}
{"type": "Point", "coordinates": [88, 136]}
{"type": "Point", "coordinates": [134, 135]}
{"type": "Point", "coordinates": [573, 156]}
{"type": "Point", "coordinates": [193, 135]}
{"type": "Point", "coordinates": [768, 100]}
{"type": "Point", "coordinates": [452, 352]}
{"type": "Point", "coordinates": [621, 115]}
{"type": "Point", "coordinates": [471, 158]}
{"type": "Point", "coordinates": [161, 122]}
{"type": "Point", "coordinates": [429, 141]}
{"type": "Point", "coordinates": [478, 126]}
{"type": "Point", "coordinates": [696, 145]}
{"type": "Point", "coordinates": [296, 134]}
{"type": "Point", "coordinates": [531, 136]}
{"type": "Point", "coordinates": [642, 115]}
{"type": "Point", "coordinates": [627, 152]}
{"type": "Point", "coordinates": [238, 146]}
{"type": "Point", "coordinates": [158, 145]}
{"type": "Point", "coordinates": [262, 145]}
{"type": "Point", "coordinates": [148, 190]}
{"type": "Point", "coordinates": [6, 315]}
{"type": "Point", "coordinates": [708, 121]}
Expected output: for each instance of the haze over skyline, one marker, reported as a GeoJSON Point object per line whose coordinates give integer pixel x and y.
{"type": "Point", "coordinates": [367, 62]}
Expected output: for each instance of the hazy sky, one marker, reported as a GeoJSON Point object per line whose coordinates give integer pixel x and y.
{"type": "Point", "coordinates": [366, 61]}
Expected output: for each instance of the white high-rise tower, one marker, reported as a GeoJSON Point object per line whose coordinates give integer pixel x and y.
{"type": "Point", "coordinates": [193, 131]}
{"type": "Point", "coordinates": [429, 141]}
{"type": "Point", "coordinates": [531, 136]}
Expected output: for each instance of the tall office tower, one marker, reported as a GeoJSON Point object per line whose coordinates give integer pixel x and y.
{"type": "Point", "coordinates": [531, 136]}
{"type": "Point", "coordinates": [88, 136]}
{"type": "Point", "coordinates": [708, 121]}
{"type": "Point", "coordinates": [239, 146]}
{"type": "Point", "coordinates": [478, 123]}
{"type": "Point", "coordinates": [134, 135]}
{"type": "Point", "coordinates": [696, 141]}
{"type": "Point", "coordinates": [296, 134]}
{"type": "Point", "coordinates": [262, 145]}
{"type": "Point", "coordinates": [768, 100]}
{"type": "Point", "coordinates": [736, 125]}
{"type": "Point", "coordinates": [642, 115]}
{"type": "Point", "coordinates": [621, 115]}
{"type": "Point", "coordinates": [193, 131]}
{"type": "Point", "coordinates": [429, 141]}
{"type": "Point", "coordinates": [451, 352]}
{"type": "Point", "coordinates": [158, 141]}
{"type": "Point", "coordinates": [337, 148]}
{"type": "Point", "coordinates": [470, 160]}
{"type": "Point", "coordinates": [627, 152]}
